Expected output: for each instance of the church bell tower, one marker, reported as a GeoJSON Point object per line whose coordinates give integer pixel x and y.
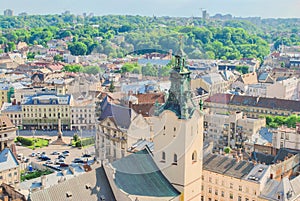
{"type": "Point", "coordinates": [178, 134]}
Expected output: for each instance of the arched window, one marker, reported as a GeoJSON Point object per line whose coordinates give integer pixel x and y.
{"type": "Point", "coordinates": [194, 157]}
{"type": "Point", "coordinates": [175, 159]}
{"type": "Point", "coordinates": [163, 156]}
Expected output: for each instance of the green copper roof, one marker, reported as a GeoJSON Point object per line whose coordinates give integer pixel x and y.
{"type": "Point", "coordinates": [137, 174]}
{"type": "Point", "coordinates": [180, 97]}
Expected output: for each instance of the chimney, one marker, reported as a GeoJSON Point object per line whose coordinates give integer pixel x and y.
{"type": "Point", "coordinates": [43, 181]}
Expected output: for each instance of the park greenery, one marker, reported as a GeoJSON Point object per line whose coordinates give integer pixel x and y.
{"type": "Point", "coordinates": [117, 35]}
{"type": "Point", "coordinates": [84, 69]}
{"type": "Point", "coordinates": [33, 143]}
{"type": "Point", "coordinates": [34, 174]}
{"type": "Point", "coordinates": [78, 142]}
{"type": "Point", "coordinates": [277, 121]}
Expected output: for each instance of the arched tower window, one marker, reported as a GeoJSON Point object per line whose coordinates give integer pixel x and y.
{"type": "Point", "coordinates": [175, 159]}
{"type": "Point", "coordinates": [194, 157]}
{"type": "Point", "coordinates": [163, 156]}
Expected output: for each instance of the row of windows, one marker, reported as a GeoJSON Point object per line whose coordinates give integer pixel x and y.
{"type": "Point", "coordinates": [230, 196]}
{"type": "Point", "coordinates": [163, 157]}
{"type": "Point", "coordinates": [45, 116]}
{"type": "Point", "coordinates": [45, 109]}
{"type": "Point", "coordinates": [231, 186]}
{"type": "Point", "coordinates": [5, 135]}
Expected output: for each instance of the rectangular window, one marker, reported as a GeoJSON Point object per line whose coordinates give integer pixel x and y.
{"type": "Point", "coordinates": [240, 188]}
{"type": "Point", "coordinates": [231, 185]}
{"type": "Point", "coordinates": [216, 192]}
{"type": "Point", "coordinates": [231, 196]}
{"type": "Point", "coordinates": [222, 194]}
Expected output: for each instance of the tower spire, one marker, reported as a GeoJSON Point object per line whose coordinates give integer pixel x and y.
{"type": "Point", "coordinates": [179, 99]}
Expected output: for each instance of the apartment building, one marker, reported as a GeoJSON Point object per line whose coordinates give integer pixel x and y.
{"type": "Point", "coordinates": [83, 115]}
{"type": "Point", "coordinates": [284, 88]}
{"type": "Point", "coordinates": [7, 132]}
{"type": "Point", "coordinates": [284, 137]}
{"type": "Point", "coordinates": [6, 92]}
{"type": "Point", "coordinates": [230, 129]}
{"type": "Point", "coordinates": [226, 178]}
{"type": "Point", "coordinates": [251, 106]}
{"type": "Point", "coordinates": [41, 110]}
{"type": "Point", "coordinates": [14, 112]}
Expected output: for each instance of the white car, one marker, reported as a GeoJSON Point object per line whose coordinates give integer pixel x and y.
{"type": "Point", "coordinates": [49, 162]}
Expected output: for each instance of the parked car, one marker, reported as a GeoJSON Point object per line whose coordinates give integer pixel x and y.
{"type": "Point", "coordinates": [78, 160]}
{"type": "Point", "coordinates": [33, 154]}
{"type": "Point", "coordinates": [66, 153]}
{"type": "Point", "coordinates": [86, 155]}
{"type": "Point", "coordinates": [61, 156]}
{"type": "Point", "coordinates": [49, 162]}
{"type": "Point", "coordinates": [19, 144]}
{"type": "Point", "coordinates": [63, 165]}
{"type": "Point", "coordinates": [45, 158]}
{"type": "Point", "coordinates": [19, 156]}
{"type": "Point", "coordinates": [55, 153]}
{"type": "Point", "coordinates": [25, 160]}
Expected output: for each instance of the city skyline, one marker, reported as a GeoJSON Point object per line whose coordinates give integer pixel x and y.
{"type": "Point", "coordinates": [186, 8]}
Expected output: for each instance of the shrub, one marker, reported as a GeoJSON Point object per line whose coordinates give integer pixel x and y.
{"type": "Point", "coordinates": [85, 142]}
{"type": "Point", "coordinates": [25, 141]}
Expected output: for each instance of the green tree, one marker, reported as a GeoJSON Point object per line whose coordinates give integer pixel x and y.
{"type": "Point", "coordinates": [149, 70]}
{"type": "Point", "coordinates": [242, 69]}
{"type": "Point", "coordinates": [78, 48]}
{"type": "Point", "coordinates": [111, 87]}
{"type": "Point", "coordinates": [58, 58]}
{"type": "Point", "coordinates": [91, 69]}
{"type": "Point", "coordinates": [131, 68]}
{"type": "Point", "coordinates": [73, 68]}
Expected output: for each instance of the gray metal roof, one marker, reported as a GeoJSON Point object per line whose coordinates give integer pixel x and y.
{"type": "Point", "coordinates": [85, 187]}
{"type": "Point", "coordinates": [227, 166]}
{"type": "Point", "coordinates": [7, 160]}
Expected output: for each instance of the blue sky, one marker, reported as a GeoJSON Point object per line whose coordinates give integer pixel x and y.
{"type": "Point", "coordinates": [244, 8]}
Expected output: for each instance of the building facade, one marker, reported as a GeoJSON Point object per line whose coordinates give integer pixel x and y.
{"type": "Point", "coordinates": [83, 115]}
{"type": "Point", "coordinates": [9, 168]}
{"type": "Point", "coordinates": [14, 112]}
{"type": "Point", "coordinates": [284, 137]}
{"type": "Point", "coordinates": [230, 130]}
{"type": "Point", "coordinates": [7, 132]}
{"type": "Point", "coordinates": [41, 111]}
{"type": "Point", "coordinates": [253, 107]}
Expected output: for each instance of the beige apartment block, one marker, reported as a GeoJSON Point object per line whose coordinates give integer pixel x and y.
{"type": "Point", "coordinates": [284, 137]}
{"type": "Point", "coordinates": [226, 179]}
{"type": "Point", "coordinates": [41, 111]}
{"type": "Point", "coordinates": [14, 112]}
{"type": "Point", "coordinates": [230, 129]}
{"type": "Point", "coordinates": [83, 115]}
{"type": "Point", "coordinates": [284, 89]}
